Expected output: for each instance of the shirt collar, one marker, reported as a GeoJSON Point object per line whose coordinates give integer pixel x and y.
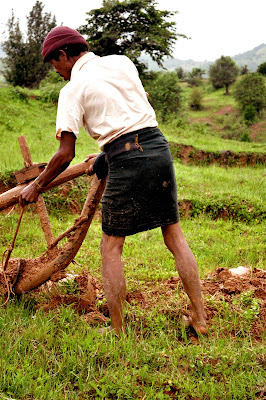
{"type": "Point", "coordinates": [80, 62]}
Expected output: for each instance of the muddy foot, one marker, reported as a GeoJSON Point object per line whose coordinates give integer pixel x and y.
{"type": "Point", "coordinates": [199, 327]}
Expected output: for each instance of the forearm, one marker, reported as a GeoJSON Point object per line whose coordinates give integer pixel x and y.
{"type": "Point", "coordinates": [56, 165]}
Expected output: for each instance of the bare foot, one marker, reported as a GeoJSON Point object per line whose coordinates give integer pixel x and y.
{"type": "Point", "coordinates": [198, 326]}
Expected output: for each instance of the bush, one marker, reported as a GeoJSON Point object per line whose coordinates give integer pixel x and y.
{"type": "Point", "coordinates": [194, 78]}
{"type": "Point", "coordinates": [164, 93]}
{"type": "Point", "coordinates": [249, 113]}
{"type": "Point", "coordinates": [195, 100]}
{"type": "Point", "coordinates": [262, 69]}
{"type": "Point", "coordinates": [250, 90]}
{"type": "Point", "coordinates": [233, 127]}
{"type": "Point", "coordinates": [50, 87]}
{"type": "Point", "coordinates": [20, 93]}
{"type": "Point", "coordinates": [245, 137]}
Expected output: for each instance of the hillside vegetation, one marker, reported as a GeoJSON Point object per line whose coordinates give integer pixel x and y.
{"type": "Point", "coordinates": [50, 344]}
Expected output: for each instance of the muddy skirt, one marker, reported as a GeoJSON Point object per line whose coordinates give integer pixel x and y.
{"type": "Point", "coordinates": [140, 192]}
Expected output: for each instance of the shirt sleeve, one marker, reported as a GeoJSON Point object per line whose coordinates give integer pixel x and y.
{"type": "Point", "coordinates": [70, 113]}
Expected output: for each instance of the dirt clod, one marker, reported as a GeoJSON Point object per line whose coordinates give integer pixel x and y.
{"type": "Point", "coordinates": [222, 285]}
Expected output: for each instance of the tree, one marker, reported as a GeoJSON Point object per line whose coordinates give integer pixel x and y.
{"type": "Point", "coordinates": [250, 90]}
{"type": "Point", "coordinates": [181, 73]}
{"type": "Point", "coordinates": [194, 78]}
{"type": "Point", "coordinates": [244, 69]}
{"type": "Point", "coordinates": [262, 69]}
{"type": "Point", "coordinates": [223, 73]}
{"type": "Point", "coordinates": [38, 26]}
{"type": "Point", "coordinates": [15, 50]}
{"type": "Point", "coordinates": [131, 27]}
{"type": "Point", "coordinates": [23, 62]}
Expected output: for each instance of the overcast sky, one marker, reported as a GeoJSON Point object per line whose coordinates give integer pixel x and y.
{"type": "Point", "coordinates": [216, 28]}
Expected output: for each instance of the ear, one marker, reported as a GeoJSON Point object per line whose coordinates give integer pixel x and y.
{"type": "Point", "coordinates": [62, 53]}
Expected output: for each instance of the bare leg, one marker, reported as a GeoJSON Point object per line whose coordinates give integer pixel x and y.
{"type": "Point", "coordinates": [187, 268]}
{"type": "Point", "coordinates": [113, 279]}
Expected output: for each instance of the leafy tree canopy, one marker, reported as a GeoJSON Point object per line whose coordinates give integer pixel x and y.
{"type": "Point", "coordinates": [23, 62]}
{"type": "Point", "coordinates": [223, 73]}
{"type": "Point", "coordinates": [131, 27]}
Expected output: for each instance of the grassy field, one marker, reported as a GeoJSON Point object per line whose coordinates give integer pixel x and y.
{"type": "Point", "coordinates": [57, 352]}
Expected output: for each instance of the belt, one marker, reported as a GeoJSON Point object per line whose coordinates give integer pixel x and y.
{"type": "Point", "coordinates": [126, 142]}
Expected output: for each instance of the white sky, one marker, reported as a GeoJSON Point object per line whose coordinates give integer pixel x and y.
{"type": "Point", "coordinates": [216, 28]}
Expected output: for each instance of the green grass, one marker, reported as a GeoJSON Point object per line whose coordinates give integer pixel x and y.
{"type": "Point", "coordinates": [214, 242]}
{"type": "Point", "coordinates": [36, 120]}
{"type": "Point", "coordinates": [58, 355]}
{"type": "Point", "coordinates": [208, 129]}
{"type": "Point", "coordinates": [21, 115]}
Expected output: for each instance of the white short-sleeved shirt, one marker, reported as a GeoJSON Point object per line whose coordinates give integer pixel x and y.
{"type": "Point", "coordinates": [106, 96]}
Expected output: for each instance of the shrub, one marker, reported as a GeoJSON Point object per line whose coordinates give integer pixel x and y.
{"type": "Point", "coordinates": [194, 78]}
{"type": "Point", "coordinates": [249, 113]}
{"type": "Point", "coordinates": [50, 87]}
{"type": "Point", "coordinates": [250, 90]}
{"type": "Point", "coordinates": [195, 100]}
{"type": "Point", "coordinates": [165, 93]}
{"type": "Point", "coordinates": [262, 69]}
{"type": "Point", "coordinates": [20, 93]}
{"type": "Point", "coordinates": [245, 137]}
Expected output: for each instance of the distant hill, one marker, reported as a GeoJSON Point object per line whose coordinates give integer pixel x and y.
{"type": "Point", "coordinates": [252, 58]}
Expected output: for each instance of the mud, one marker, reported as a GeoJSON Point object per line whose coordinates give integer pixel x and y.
{"type": "Point", "coordinates": [220, 285]}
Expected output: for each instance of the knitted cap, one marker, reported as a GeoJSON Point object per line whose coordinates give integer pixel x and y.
{"type": "Point", "coordinates": [58, 37]}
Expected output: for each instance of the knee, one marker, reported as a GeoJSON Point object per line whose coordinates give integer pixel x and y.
{"type": "Point", "coordinates": [111, 245]}
{"type": "Point", "coordinates": [173, 237]}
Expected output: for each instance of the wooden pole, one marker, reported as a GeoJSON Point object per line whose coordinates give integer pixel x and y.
{"type": "Point", "coordinates": [41, 208]}
{"type": "Point", "coordinates": [11, 197]}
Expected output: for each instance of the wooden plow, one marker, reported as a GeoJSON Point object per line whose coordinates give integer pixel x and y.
{"type": "Point", "coordinates": [22, 275]}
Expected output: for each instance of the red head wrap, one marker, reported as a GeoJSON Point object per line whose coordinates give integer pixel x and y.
{"type": "Point", "coordinates": [59, 37]}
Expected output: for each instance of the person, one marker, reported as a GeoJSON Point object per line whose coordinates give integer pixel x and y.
{"type": "Point", "coordinates": [106, 97]}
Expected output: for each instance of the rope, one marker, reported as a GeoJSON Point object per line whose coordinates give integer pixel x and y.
{"type": "Point", "coordinates": [7, 254]}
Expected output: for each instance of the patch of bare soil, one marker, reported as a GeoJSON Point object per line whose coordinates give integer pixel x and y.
{"type": "Point", "coordinates": [190, 155]}
{"type": "Point", "coordinates": [226, 110]}
{"type": "Point", "coordinates": [258, 131]}
{"type": "Point", "coordinates": [222, 284]}
{"type": "Point", "coordinates": [225, 285]}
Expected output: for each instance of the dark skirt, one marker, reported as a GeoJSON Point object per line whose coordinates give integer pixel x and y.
{"type": "Point", "coordinates": [140, 192]}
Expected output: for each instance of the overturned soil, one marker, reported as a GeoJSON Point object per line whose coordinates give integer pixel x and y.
{"type": "Point", "coordinates": [220, 288]}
